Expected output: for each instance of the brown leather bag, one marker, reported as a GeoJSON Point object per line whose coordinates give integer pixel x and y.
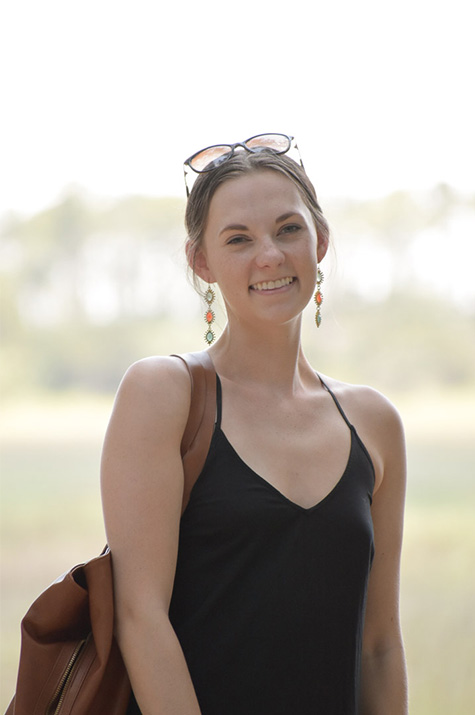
{"type": "Point", "coordinates": [70, 663]}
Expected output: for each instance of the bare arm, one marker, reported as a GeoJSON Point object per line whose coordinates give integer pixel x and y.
{"type": "Point", "coordinates": [142, 489]}
{"type": "Point", "coordinates": [384, 681]}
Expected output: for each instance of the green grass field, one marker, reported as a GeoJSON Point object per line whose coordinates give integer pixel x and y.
{"type": "Point", "coordinates": [51, 519]}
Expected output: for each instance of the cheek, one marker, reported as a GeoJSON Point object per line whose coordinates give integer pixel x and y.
{"type": "Point", "coordinates": [311, 263]}
{"type": "Point", "coordinates": [229, 278]}
{"type": "Point", "coordinates": [236, 278]}
{"type": "Point", "coordinates": [312, 254]}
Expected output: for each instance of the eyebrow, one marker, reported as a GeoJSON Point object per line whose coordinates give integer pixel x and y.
{"type": "Point", "coordinates": [287, 215]}
{"type": "Point", "coordinates": [234, 227]}
{"type": "Point", "coordinates": [242, 227]}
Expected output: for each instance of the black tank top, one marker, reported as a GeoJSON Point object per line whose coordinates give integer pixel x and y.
{"type": "Point", "coordinates": [269, 597]}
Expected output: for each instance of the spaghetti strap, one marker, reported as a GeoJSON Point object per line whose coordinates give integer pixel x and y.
{"type": "Point", "coordinates": [218, 402]}
{"type": "Point", "coordinates": [340, 408]}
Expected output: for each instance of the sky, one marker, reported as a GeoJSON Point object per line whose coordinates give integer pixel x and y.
{"type": "Point", "coordinates": [113, 96]}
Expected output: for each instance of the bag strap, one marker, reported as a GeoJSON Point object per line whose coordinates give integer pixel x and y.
{"type": "Point", "coordinates": [199, 427]}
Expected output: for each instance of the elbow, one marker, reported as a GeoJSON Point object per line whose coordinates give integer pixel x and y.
{"type": "Point", "coordinates": [134, 620]}
{"type": "Point", "coordinates": [383, 645]}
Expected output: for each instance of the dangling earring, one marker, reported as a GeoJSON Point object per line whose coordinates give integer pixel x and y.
{"type": "Point", "coordinates": [209, 297]}
{"type": "Point", "coordinates": [318, 297]}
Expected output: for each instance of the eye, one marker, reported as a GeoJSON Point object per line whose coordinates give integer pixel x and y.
{"type": "Point", "coordinates": [290, 228]}
{"type": "Point", "coordinates": [236, 240]}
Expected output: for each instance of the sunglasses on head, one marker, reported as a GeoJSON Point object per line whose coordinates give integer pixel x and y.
{"type": "Point", "coordinates": [212, 156]}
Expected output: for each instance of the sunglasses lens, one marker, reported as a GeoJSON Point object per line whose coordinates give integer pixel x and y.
{"type": "Point", "coordinates": [277, 142]}
{"type": "Point", "coordinates": [210, 157]}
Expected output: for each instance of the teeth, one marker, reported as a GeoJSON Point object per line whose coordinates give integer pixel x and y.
{"type": "Point", "coordinates": [269, 285]}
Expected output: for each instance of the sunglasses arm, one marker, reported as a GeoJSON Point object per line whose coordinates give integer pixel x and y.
{"type": "Point", "coordinates": [185, 174]}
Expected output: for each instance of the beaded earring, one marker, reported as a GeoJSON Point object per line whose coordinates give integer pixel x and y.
{"type": "Point", "coordinates": [318, 297]}
{"type": "Point", "coordinates": [209, 316]}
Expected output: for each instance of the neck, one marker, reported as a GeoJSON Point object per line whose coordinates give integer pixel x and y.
{"type": "Point", "coordinates": [271, 357]}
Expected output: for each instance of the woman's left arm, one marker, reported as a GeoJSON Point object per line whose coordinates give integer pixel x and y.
{"type": "Point", "coordinates": [383, 674]}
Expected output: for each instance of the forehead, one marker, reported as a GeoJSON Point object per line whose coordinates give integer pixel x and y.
{"type": "Point", "coordinates": [255, 195]}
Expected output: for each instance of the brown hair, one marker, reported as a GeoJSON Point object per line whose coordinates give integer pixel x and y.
{"type": "Point", "coordinates": [242, 163]}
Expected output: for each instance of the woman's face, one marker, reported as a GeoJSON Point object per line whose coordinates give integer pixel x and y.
{"type": "Point", "coordinates": [260, 246]}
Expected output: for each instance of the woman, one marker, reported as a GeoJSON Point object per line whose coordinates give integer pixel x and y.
{"type": "Point", "coordinates": [276, 593]}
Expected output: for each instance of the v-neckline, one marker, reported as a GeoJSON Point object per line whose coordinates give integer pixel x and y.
{"type": "Point", "coordinates": [277, 491]}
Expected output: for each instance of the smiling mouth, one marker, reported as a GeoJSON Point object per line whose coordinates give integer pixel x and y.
{"type": "Point", "coordinates": [272, 285]}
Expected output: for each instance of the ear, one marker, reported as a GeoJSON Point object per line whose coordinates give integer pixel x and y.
{"type": "Point", "coordinates": [199, 264]}
{"type": "Point", "coordinates": [322, 247]}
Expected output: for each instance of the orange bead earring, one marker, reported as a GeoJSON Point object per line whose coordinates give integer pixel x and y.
{"type": "Point", "coordinates": [209, 297]}
{"type": "Point", "coordinates": [318, 297]}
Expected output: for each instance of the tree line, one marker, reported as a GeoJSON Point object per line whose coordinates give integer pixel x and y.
{"type": "Point", "coordinates": [88, 287]}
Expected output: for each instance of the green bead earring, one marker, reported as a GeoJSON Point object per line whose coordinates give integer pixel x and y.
{"type": "Point", "coordinates": [318, 298]}
{"type": "Point", "coordinates": [209, 297]}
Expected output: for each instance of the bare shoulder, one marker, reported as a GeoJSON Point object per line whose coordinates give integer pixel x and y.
{"type": "Point", "coordinates": [363, 402]}
{"type": "Point", "coordinates": [157, 375]}
{"type": "Point", "coordinates": [376, 420]}
{"type": "Point", "coordinates": [155, 388]}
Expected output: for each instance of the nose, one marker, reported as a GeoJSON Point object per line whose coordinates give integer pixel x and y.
{"type": "Point", "coordinates": [268, 254]}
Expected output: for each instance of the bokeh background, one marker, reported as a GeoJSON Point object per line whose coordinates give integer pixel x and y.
{"type": "Point", "coordinates": [102, 101]}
